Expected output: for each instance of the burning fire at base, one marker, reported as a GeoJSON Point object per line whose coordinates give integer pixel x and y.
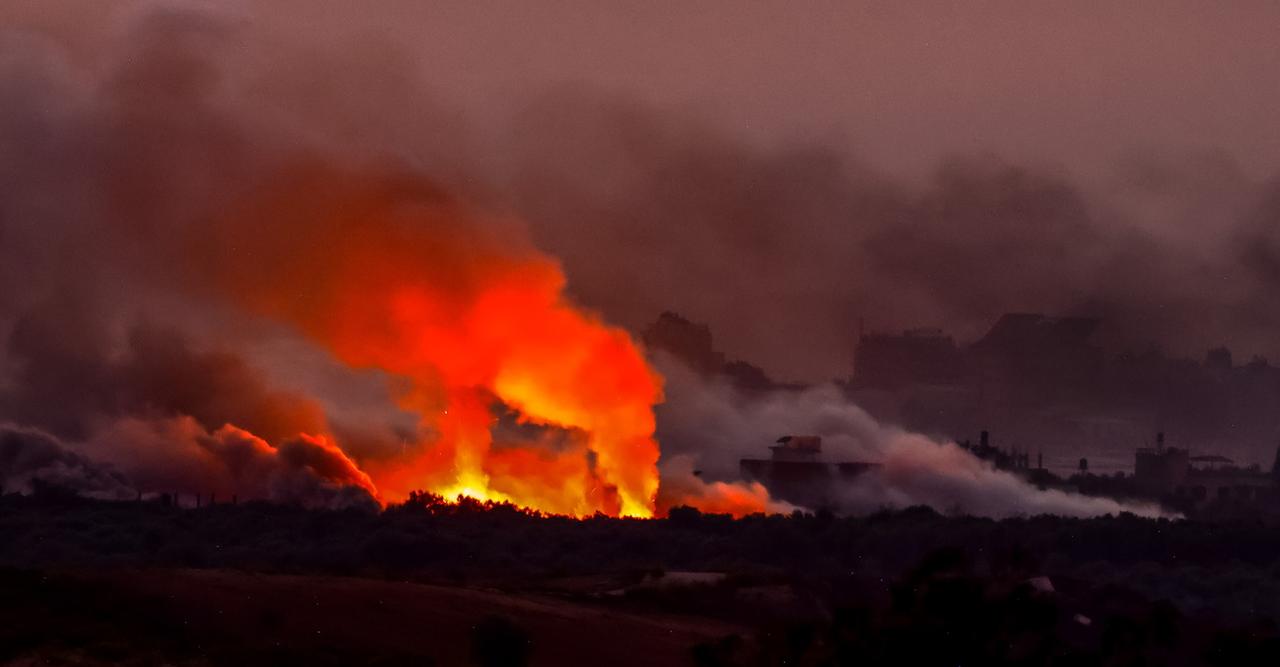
{"type": "Point", "coordinates": [389, 273]}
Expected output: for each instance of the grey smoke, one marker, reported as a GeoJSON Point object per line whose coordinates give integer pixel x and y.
{"type": "Point", "coordinates": [655, 208]}
{"type": "Point", "coordinates": [784, 250]}
{"type": "Point", "coordinates": [108, 359]}
{"type": "Point", "coordinates": [709, 422]}
{"type": "Point", "coordinates": [179, 455]}
{"type": "Point", "coordinates": [29, 457]}
{"type": "Point", "coordinates": [788, 251]}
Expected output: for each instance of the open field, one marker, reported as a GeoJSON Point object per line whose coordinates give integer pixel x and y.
{"type": "Point", "coordinates": [139, 583]}
{"type": "Point", "coordinates": [219, 616]}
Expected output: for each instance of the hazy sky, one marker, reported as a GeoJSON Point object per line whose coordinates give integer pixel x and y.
{"type": "Point", "coordinates": [773, 168]}
{"type": "Point", "coordinates": [901, 82]}
{"type": "Point", "coordinates": [905, 82]}
{"type": "Point", "coordinates": [783, 172]}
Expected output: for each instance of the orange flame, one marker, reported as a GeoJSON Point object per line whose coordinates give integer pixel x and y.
{"type": "Point", "coordinates": [739, 499]}
{"type": "Point", "coordinates": [388, 273]}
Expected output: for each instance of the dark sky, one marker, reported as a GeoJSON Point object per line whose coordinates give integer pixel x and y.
{"type": "Point", "coordinates": [784, 171]}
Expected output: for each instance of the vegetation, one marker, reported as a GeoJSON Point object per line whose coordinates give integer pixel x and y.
{"type": "Point", "coordinates": [811, 589]}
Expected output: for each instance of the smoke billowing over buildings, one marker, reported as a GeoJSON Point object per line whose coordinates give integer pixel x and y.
{"type": "Point", "coordinates": [639, 333]}
{"type": "Point", "coordinates": [226, 270]}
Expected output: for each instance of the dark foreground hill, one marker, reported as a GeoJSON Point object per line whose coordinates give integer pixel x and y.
{"type": "Point", "coordinates": [201, 617]}
{"type": "Point", "coordinates": [433, 583]}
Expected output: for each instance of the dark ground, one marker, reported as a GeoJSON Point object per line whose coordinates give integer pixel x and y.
{"type": "Point", "coordinates": [140, 583]}
{"type": "Point", "coordinates": [197, 617]}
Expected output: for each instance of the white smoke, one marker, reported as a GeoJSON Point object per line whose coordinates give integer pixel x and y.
{"type": "Point", "coordinates": [709, 420]}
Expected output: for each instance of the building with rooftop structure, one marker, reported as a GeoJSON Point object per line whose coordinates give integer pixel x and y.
{"type": "Point", "coordinates": [796, 473]}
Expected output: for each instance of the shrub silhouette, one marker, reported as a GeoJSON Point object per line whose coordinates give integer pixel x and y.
{"type": "Point", "coordinates": [498, 642]}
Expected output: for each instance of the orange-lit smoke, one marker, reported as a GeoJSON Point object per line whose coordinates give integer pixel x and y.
{"type": "Point", "coordinates": [738, 499]}
{"type": "Point", "coordinates": [390, 273]}
{"type": "Point", "coordinates": [681, 485]}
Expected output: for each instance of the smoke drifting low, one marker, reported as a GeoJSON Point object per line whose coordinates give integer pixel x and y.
{"type": "Point", "coordinates": [179, 454]}
{"type": "Point", "coordinates": [708, 421]}
{"type": "Point", "coordinates": [29, 457]}
{"type": "Point", "coordinates": [202, 202]}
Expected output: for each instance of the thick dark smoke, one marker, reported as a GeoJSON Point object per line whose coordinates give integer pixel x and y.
{"type": "Point", "coordinates": [117, 143]}
{"type": "Point", "coordinates": [178, 454]}
{"type": "Point", "coordinates": [108, 357]}
{"type": "Point", "coordinates": [652, 209]}
{"type": "Point", "coordinates": [788, 252]}
{"type": "Point", "coordinates": [65, 379]}
{"type": "Point", "coordinates": [29, 457]}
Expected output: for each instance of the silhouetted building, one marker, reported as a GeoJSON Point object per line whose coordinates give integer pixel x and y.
{"type": "Point", "coordinates": [1219, 359]}
{"type": "Point", "coordinates": [1217, 479]}
{"type": "Point", "coordinates": [1001, 459]}
{"type": "Point", "coordinates": [797, 448]}
{"type": "Point", "coordinates": [1195, 483]}
{"type": "Point", "coordinates": [1031, 334]}
{"type": "Point", "coordinates": [916, 356]}
{"type": "Point", "coordinates": [692, 344]}
{"type": "Point", "coordinates": [795, 473]}
{"type": "Point", "coordinates": [1030, 357]}
{"type": "Point", "coordinates": [688, 341]}
{"type": "Point", "coordinates": [1159, 470]}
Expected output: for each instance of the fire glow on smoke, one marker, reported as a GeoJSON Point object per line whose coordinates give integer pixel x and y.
{"type": "Point", "coordinates": [390, 273]}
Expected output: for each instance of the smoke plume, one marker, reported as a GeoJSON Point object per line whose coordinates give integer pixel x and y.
{"type": "Point", "coordinates": [183, 191]}
{"type": "Point", "coordinates": [1172, 248]}
{"type": "Point", "coordinates": [710, 421]}
{"type": "Point", "coordinates": [29, 457]}
{"type": "Point", "coordinates": [199, 200]}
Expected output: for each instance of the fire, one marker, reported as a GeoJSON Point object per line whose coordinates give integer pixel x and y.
{"type": "Point", "coordinates": [738, 499]}
{"type": "Point", "coordinates": [389, 273]}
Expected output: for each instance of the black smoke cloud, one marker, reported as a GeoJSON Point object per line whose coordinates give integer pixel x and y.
{"type": "Point", "coordinates": [787, 250]}
{"type": "Point", "coordinates": [652, 209]}
{"type": "Point", "coordinates": [29, 457]}
{"type": "Point", "coordinates": [180, 455]}
{"type": "Point", "coordinates": [155, 415]}
{"type": "Point", "coordinates": [66, 378]}
{"type": "Point", "coordinates": [147, 411]}
{"type": "Point", "coordinates": [107, 163]}
{"type": "Point", "coordinates": [114, 374]}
